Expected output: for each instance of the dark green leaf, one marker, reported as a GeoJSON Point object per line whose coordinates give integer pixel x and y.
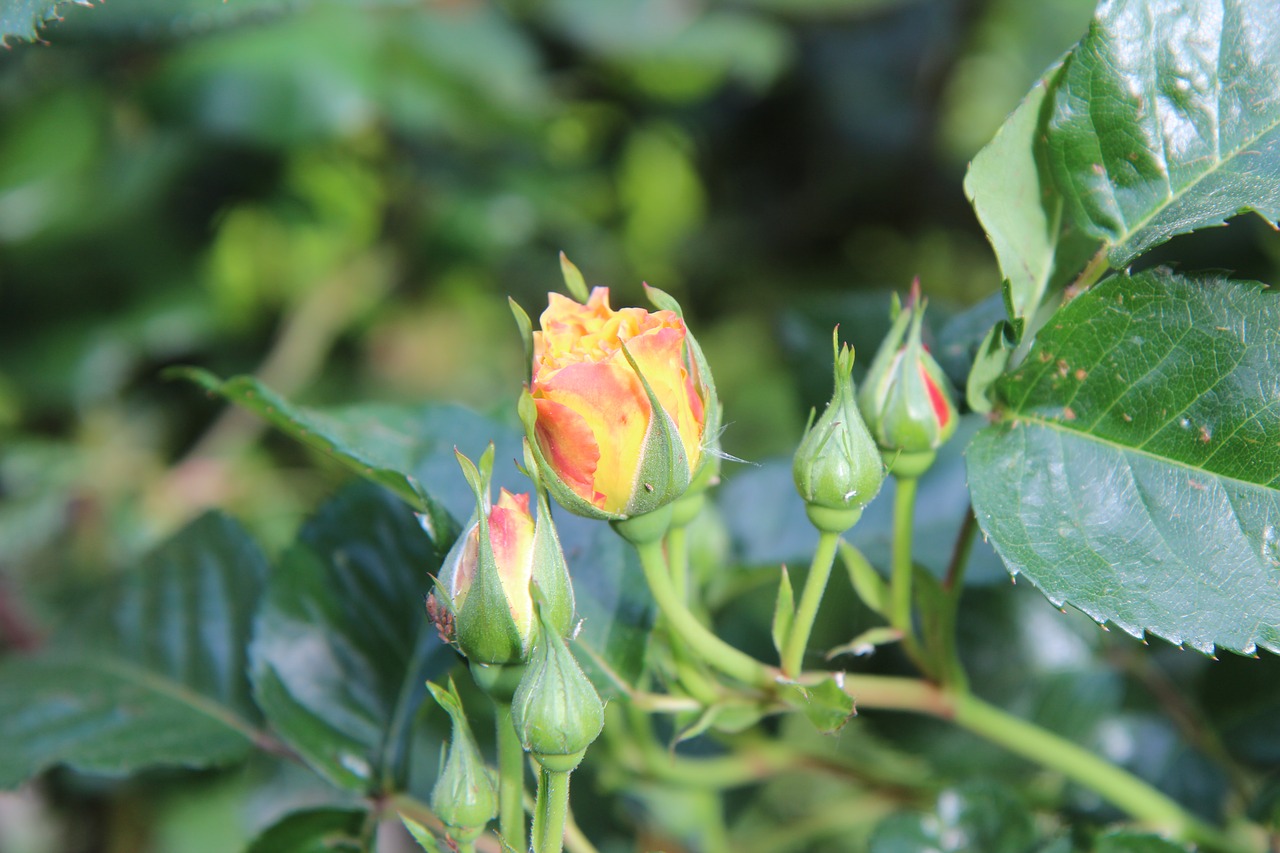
{"type": "Point", "coordinates": [974, 818]}
{"type": "Point", "coordinates": [381, 443]}
{"type": "Point", "coordinates": [155, 674]}
{"type": "Point", "coordinates": [342, 648]}
{"type": "Point", "coordinates": [1135, 471]}
{"type": "Point", "coordinates": [1020, 212]}
{"type": "Point", "coordinates": [321, 830]}
{"type": "Point", "coordinates": [1166, 120]}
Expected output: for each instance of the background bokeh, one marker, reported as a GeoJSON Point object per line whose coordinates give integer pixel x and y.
{"type": "Point", "coordinates": [339, 197]}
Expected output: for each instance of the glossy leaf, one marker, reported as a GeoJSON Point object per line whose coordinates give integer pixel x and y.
{"type": "Point", "coordinates": [320, 830]}
{"type": "Point", "coordinates": [155, 671]}
{"type": "Point", "coordinates": [380, 443]}
{"type": "Point", "coordinates": [1166, 120]}
{"type": "Point", "coordinates": [1019, 210]}
{"type": "Point", "coordinates": [1135, 469]}
{"type": "Point", "coordinates": [342, 648]}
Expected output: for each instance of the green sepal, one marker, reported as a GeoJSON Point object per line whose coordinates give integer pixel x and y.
{"type": "Point", "coordinates": [712, 412]}
{"type": "Point", "coordinates": [866, 642]}
{"type": "Point", "coordinates": [573, 280]}
{"type": "Point", "coordinates": [664, 473]}
{"type": "Point", "coordinates": [551, 571]}
{"type": "Point", "coordinates": [525, 325]}
{"type": "Point", "coordinates": [485, 630]}
{"type": "Point", "coordinates": [464, 796]}
{"type": "Point", "coordinates": [784, 611]}
{"type": "Point", "coordinates": [565, 496]}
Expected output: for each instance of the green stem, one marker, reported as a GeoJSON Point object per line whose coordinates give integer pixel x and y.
{"type": "Point", "coordinates": [904, 504]}
{"type": "Point", "coordinates": [953, 673]}
{"type": "Point", "coordinates": [510, 779]}
{"type": "Point", "coordinates": [678, 556]}
{"type": "Point", "coordinates": [1119, 787]}
{"type": "Point", "coordinates": [814, 586]}
{"type": "Point", "coordinates": [711, 648]}
{"type": "Point", "coordinates": [551, 808]}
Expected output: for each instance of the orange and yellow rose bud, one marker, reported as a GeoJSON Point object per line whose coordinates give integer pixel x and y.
{"type": "Point", "coordinates": [620, 406]}
{"type": "Point", "coordinates": [483, 602]}
{"type": "Point", "coordinates": [905, 397]}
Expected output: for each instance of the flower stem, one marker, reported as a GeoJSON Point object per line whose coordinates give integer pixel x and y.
{"type": "Point", "coordinates": [1118, 786]}
{"type": "Point", "coordinates": [551, 808]}
{"type": "Point", "coordinates": [510, 779]}
{"type": "Point", "coordinates": [678, 556]}
{"type": "Point", "coordinates": [947, 654]}
{"type": "Point", "coordinates": [697, 636]}
{"type": "Point", "coordinates": [904, 504]}
{"type": "Point", "coordinates": [814, 586]}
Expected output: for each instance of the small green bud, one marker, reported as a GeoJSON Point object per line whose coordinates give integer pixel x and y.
{"type": "Point", "coordinates": [465, 797]}
{"type": "Point", "coordinates": [556, 710]}
{"type": "Point", "coordinates": [837, 468]}
{"type": "Point", "coordinates": [906, 398]}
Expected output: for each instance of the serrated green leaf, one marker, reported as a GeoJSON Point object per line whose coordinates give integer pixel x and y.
{"type": "Point", "coordinates": [319, 830]}
{"type": "Point", "coordinates": [381, 443]}
{"type": "Point", "coordinates": [342, 648]}
{"type": "Point", "coordinates": [1167, 120]}
{"type": "Point", "coordinates": [19, 19]}
{"type": "Point", "coordinates": [155, 672]}
{"type": "Point", "coordinates": [1135, 469]}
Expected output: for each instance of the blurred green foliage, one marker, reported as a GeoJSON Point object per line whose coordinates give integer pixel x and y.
{"type": "Point", "coordinates": [338, 196]}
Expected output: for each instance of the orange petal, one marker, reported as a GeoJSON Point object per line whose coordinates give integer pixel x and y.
{"type": "Point", "coordinates": [569, 446]}
{"type": "Point", "coordinates": [610, 403]}
{"type": "Point", "coordinates": [660, 355]}
{"type": "Point", "coordinates": [511, 534]}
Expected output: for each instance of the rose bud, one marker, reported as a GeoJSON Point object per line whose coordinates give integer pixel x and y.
{"type": "Point", "coordinates": [482, 600]}
{"type": "Point", "coordinates": [556, 711]}
{"type": "Point", "coordinates": [837, 467]}
{"type": "Point", "coordinates": [620, 406]}
{"type": "Point", "coordinates": [464, 797]}
{"type": "Point", "coordinates": [905, 397]}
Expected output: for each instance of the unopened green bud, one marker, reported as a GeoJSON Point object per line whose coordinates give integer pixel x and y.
{"type": "Point", "coordinates": [837, 468]}
{"type": "Point", "coordinates": [465, 797]}
{"type": "Point", "coordinates": [906, 398]}
{"type": "Point", "coordinates": [556, 710]}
